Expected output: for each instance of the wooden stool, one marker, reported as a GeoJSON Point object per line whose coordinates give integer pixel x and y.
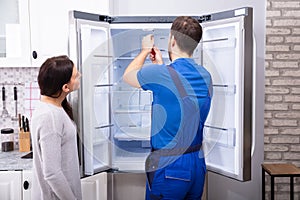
{"type": "Point", "coordinates": [279, 170]}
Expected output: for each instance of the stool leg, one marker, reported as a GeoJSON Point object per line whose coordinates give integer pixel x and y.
{"type": "Point", "coordinates": [272, 187]}
{"type": "Point", "coordinates": [291, 188]}
{"type": "Point", "coordinates": [263, 184]}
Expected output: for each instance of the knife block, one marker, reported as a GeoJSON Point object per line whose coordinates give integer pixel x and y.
{"type": "Point", "coordinates": [24, 141]}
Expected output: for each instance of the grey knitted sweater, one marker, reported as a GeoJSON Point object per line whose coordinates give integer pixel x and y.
{"type": "Point", "coordinates": [55, 159]}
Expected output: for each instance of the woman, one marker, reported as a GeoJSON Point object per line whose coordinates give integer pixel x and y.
{"type": "Point", "coordinates": [55, 157]}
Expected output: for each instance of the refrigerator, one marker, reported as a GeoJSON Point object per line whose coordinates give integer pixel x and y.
{"type": "Point", "coordinates": [114, 119]}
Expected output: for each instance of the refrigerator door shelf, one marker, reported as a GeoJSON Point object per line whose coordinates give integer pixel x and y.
{"type": "Point", "coordinates": [220, 136]}
{"type": "Point", "coordinates": [224, 89]}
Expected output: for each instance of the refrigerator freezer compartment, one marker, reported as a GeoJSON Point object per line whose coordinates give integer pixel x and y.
{"type": "Point", "coordinates": [133, 133]}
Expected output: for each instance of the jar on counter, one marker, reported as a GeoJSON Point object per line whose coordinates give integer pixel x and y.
{"type": "Point", "coordinates": [7, 139]}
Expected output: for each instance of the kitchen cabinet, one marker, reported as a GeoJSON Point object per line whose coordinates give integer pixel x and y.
{"type": "Point", "coordinates": [94, 187]}
{"type": "Point", "coordinates": [16, 185]}
{"type": "Point", "coordinates": [26, 184]}
{"type": "Point", "coordinates": [49, 33]}
{"type": "Point", "coordinates": [10, 185]}
{"type": "Point", "coordinates": [49, 24]}
{"type": "Point", "coordinates": [14, 33]}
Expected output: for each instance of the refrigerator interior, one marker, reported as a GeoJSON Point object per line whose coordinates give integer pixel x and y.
{"type": "Point", "coordinates": [131, 107]}
{"type": "Point", "coordinates": [115, 117]}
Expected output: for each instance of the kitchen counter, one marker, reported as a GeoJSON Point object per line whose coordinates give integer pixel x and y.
{"type": "Point", "coordinates": [12, 161]}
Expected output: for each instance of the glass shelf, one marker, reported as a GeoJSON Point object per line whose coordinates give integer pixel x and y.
{"type": "Point", "coordinates": [133, 134]}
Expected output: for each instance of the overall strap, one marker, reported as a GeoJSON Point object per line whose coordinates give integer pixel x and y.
{"type": "Point", "coordinates": [177, 81]}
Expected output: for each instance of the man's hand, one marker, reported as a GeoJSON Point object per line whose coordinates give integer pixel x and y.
{"type": "Point", "coordinates": [156, 57]}
{"type": "Point", "coordinates": [148, 43]}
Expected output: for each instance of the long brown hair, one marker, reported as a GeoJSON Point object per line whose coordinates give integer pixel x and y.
{"type": "Point", "coordinates": [53, 74]}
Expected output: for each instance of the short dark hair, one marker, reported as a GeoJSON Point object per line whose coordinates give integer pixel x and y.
{"type": "Point", "coordinates": [187, 32]}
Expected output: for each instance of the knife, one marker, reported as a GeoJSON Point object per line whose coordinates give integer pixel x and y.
{"type": "Point", "coordinates": [15, 93]}
{"type": "Point", "coordinates": [3, 93]}
{"type": "Point", "coordinates": [20, 125]}
{"type": "Point", "coordinates": [23, 124]}
{"type": "Point", "coordinates": [27, 125]}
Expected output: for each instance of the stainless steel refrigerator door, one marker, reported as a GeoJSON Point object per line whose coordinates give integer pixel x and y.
{"type": "Point", "coordinates": [226, 51]}
{"type": "Point", "coordinates": [95, 95]}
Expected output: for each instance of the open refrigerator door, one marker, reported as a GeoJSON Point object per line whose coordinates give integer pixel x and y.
{"type": "Point", "coordinates": [226, 51]}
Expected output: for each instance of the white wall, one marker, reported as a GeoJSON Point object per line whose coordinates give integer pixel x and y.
{"type": "Point", "coordinates": [220, 187]}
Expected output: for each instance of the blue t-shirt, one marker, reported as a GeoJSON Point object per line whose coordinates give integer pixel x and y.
{"type": "Point", "coordinates": [166, 106]}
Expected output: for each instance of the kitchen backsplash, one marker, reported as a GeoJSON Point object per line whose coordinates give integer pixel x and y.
{"type": "Point", "coordinates": [25, 79]}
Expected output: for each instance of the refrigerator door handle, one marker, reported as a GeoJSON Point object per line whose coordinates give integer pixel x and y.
{"type": "Point", "coordinates": [254, 92]}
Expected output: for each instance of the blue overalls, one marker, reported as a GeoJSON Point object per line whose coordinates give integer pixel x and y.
{"type": "Point", "coordinates": [176, 167]}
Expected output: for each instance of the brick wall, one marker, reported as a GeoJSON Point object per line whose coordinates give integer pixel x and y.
{"type": "Point", "coordinates": [282, 91]}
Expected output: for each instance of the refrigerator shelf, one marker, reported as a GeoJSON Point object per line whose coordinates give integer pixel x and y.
{"type": "Point", "coordinates": [132, 155]}
{"type": "Point", "coordinates": [131, 111]}
{"type": "Point", "coordinates": [103, 85]}
{"type": "Point", "coordinates": [133, 134]}
{"type": "Point", "coordinates": [102, 56]}
{"type": "Point", "coordinates": [164, 53]}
